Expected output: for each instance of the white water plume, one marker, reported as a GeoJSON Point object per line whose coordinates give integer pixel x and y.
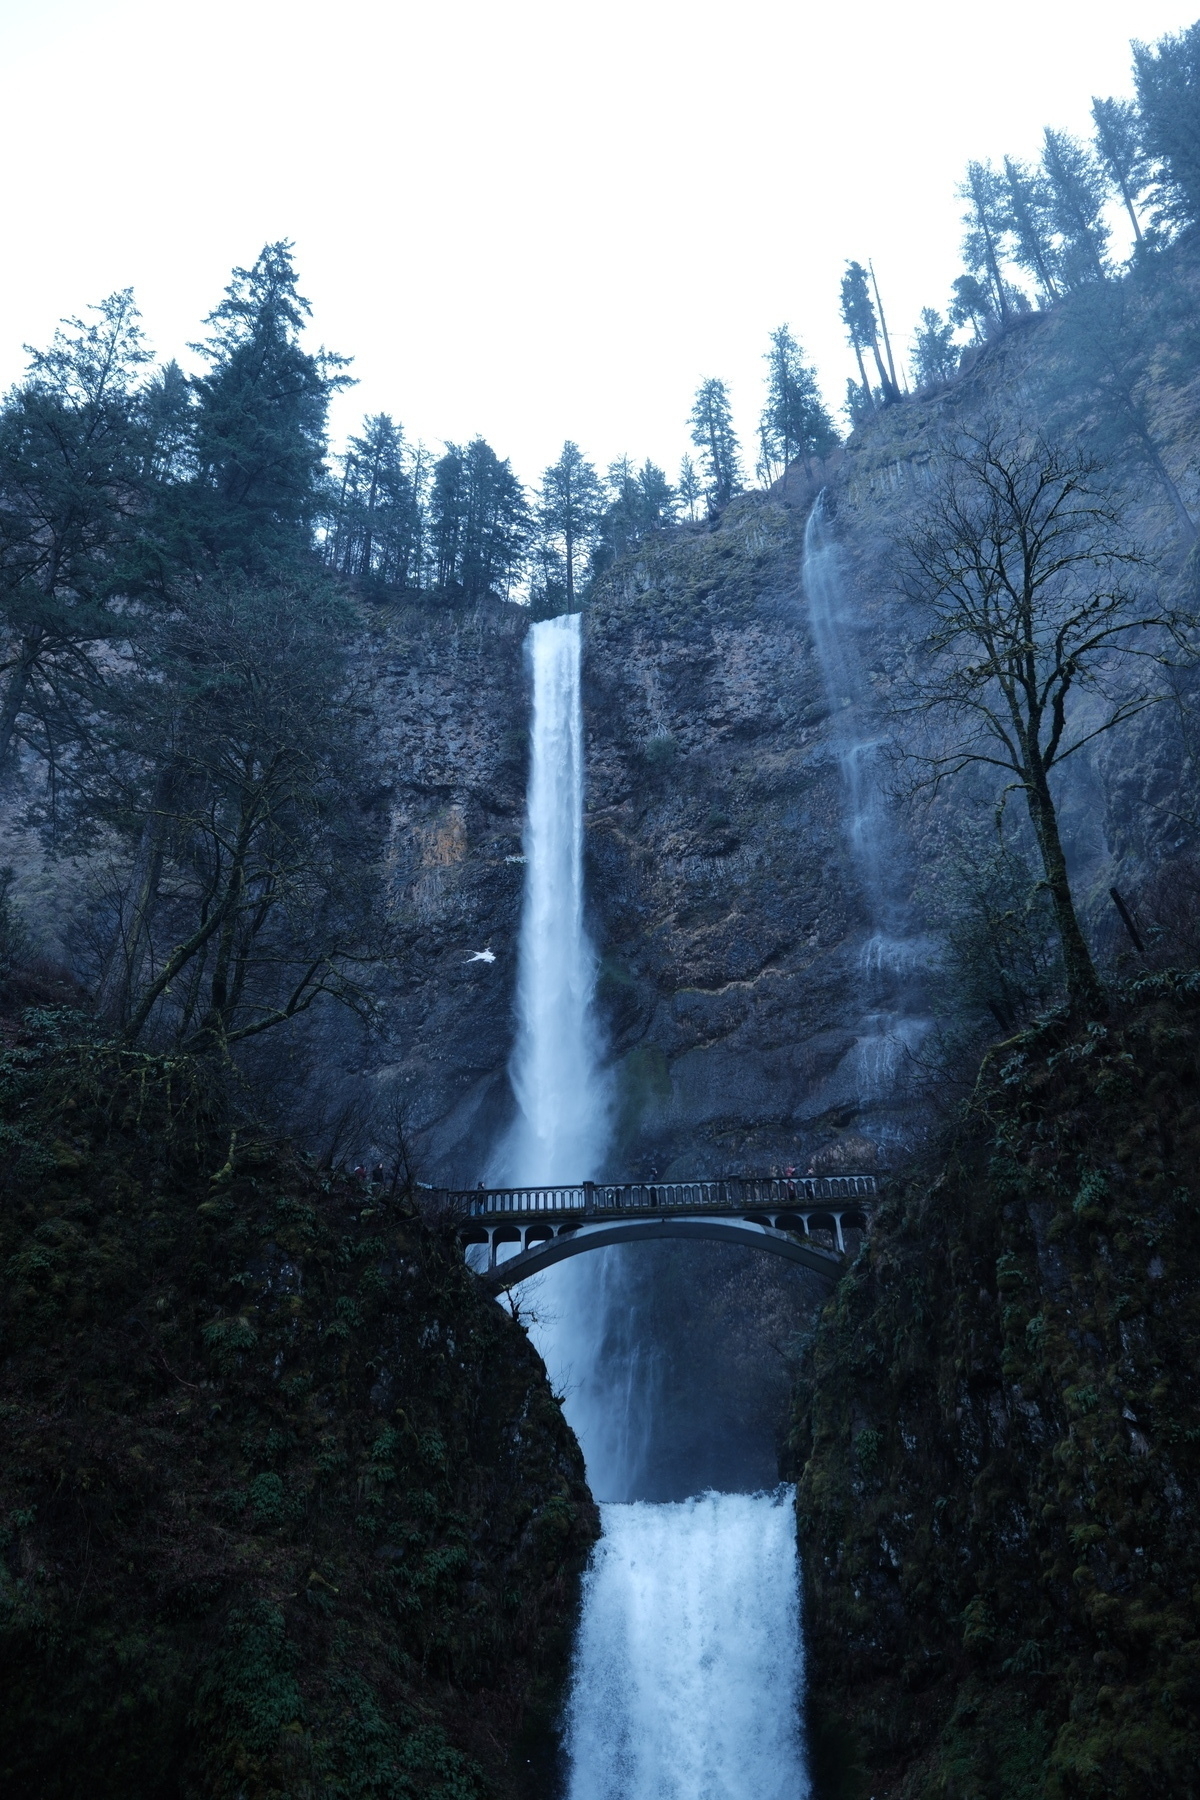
{"type": "Point", "coordinates": [561, 1129]}
{"type": "Point", "coordinates": [880, 1062]}
{"type": "Point", "coordinates": [578, 1318]}
{"type": "Point", "coordinates": [847, 690]}
{"type": "Point", "coordinates": [689, 1666]}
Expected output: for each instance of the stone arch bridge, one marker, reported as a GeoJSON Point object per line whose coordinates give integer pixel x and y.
{"type": "Point", "coordinates": [509, 1234]}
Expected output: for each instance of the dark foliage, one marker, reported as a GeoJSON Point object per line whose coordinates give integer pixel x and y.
{"type": "Point", "coordinates": [286, 1504]}
{"type": "Point", "coordinates": [998, 1440]}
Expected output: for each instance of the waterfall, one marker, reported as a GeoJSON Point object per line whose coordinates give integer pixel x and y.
{"type": "Point", "coordinates": [891, 956]}
{"type": "Point", "coordinates": [561, 1129]}
{"type": "Point", "coordinates": [847, 690]}
{"type": "Point", "coordinates": [688, 1669]}
{"type": "Point", "coordinates": [686, 1681]}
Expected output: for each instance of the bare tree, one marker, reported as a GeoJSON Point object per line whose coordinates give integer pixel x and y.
{"type": "Point", "coordinates": [235, 767]}
{"type": "Point", "coordinates": [1043, 633]}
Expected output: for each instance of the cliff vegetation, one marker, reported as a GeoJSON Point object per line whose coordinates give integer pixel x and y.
{"type": "Point", "coordinates": [287, 1507]}
{"type": "Point", "coordinates": [998, 1440]}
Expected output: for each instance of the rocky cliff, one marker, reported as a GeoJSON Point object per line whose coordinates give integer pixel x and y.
{"type": "Point", "coordinates": [741, 967]}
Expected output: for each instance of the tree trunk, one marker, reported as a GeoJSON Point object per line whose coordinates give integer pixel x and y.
{"type": "Point", "coordinates": [14, 696]}
{"type": "Point", "coordinates": [1127, 197]}
{"type": "Point", "coordinates": [1155, 460]}
{"type": "Point", "coordinates": [125, 957]}
{"type": "Point", "coordinates": [887, 342]}
{"type": "Point", "coordinates": [1083, 984]}
{"type": "Point", "coordinates": [862, 370]}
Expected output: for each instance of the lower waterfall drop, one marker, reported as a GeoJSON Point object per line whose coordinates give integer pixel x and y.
{"type": "Point", "coordinates": [687, 1670]}
{"type": "Point", "coordinates": [689, 1662]}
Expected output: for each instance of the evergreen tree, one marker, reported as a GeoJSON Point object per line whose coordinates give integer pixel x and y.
{"type": "Point", "coordinates": [1077, 197]}
{"type": "Point", "coordinates": [713, 435]}
{"type": "Point", "coordinates": [1029, 220]}
{"type": "Point", "coordinates": [983, 246]}
{"type": "Point", "coordinates": [167, 415]}
{"type": "Point", "coordinates": [1167, 77]}
{"type": "Point", "coordinates": [860, 403]}
{"type": "Point", "coordinates": [375, 529]}
{"type": "Point", "coordinates": [547, 581]}
{"type": "Point", "coordinates": [260, 423]}
{"type": "Point", "coordinates": [1119, 148]}
{"type": "Point", "coordinates": [794, 420]}
{"type": "Point", "coordinates": [862, 327]}
{"type": "Point", "coordinates": [568, 512]}
{"type": "Point", "coordinates": [641, 502]}
{"type": "Point", "coordinates": [691, 489]}
{"type": "Point", "coordinates": [934, 357]}
{"type": "Point", "coordinates": [971, 304]}
{"type": "Point", "coordinates": [448, 517]}
{"type": "Point", "coordinates": [497, 524]}
{"type": "Point", "coordinates": [76, 456]}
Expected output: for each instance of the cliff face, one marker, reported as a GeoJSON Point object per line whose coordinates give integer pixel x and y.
{"type": "Point", "coordinates": [742, 971]}
{"type": "Point", "coordinates": [723, 902]}
{"type": "Point", "coordinates": [998, 1439]}
{"type": "Point", "coordinates": [426, 1075]}
{"type": "Point", "coordinates": [287, 1504]}
{"type": "Point", "coordinates": [726, 903]}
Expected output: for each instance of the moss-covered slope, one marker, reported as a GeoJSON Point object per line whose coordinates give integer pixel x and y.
{"type": "Point", "coordinates": [998, 1440]}
{"type": "Point", "coordinates": [288, 1507]}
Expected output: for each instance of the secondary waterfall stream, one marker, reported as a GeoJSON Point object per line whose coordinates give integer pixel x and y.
{"type": "Point", "coordinates": [892, 955]}
{"type": "Point", "coordinates": [687, 1672]}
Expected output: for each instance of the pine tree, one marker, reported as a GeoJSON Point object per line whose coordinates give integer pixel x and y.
{"type": "Point", "coordinates": [971, 304]}
{"type": "Point", "coordinates": [375, 523]}
{"type": "Point", "coordinates": [713, 435]}
{"type": "Point", "coordinates": [934, 357]}
{"type": "Point", "coordinates": [860, 403]}
{"type": "Point", "coordinates": [497, 524]}
{"type": "Point", "coordinates": [1077, 198]}
{"type": "Point", "coordinates": [1119, 148]}
{"type": "Point", "coordinates": [640, 502]}
{"type": "Point", "coordinates": [568, 512]}
{"type": "Point", "coordinates": [167, 414]}
{"type": "Point", "coordinates": [795, 421]}
{"type": "Point", "coordinates": [260, 423]}
{"type": "Point", "coordinates": [691, 489]}
{"type": "Point", "coordinates": [1167, 78]}
{"type": "Point", "coordinates": [1029, 220]}
{"type": "Point", "coordinates": [983, 245]}
{"type": "Point", "coordinates": [448, 517]}
{"type": "Point", "coordinates": [862, 327]}
{"type": "Point", "coordinates": [76, 462]}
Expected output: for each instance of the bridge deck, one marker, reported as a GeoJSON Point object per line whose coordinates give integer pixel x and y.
{"type": "Point", "coordinates": [734, 1194]}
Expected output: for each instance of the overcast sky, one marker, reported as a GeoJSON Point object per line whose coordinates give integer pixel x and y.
{"type": "Point", "coordinates": [529, 220]}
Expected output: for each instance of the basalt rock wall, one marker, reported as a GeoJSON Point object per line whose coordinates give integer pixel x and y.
{"type": "Point", "coordinates": [730, 920]}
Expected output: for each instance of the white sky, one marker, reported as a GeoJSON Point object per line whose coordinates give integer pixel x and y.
{"type": "Point", "coordinates": [526, 219]}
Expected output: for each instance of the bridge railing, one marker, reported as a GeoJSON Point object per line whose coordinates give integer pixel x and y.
{"type": "Point", "coordinates": [736, 1193]}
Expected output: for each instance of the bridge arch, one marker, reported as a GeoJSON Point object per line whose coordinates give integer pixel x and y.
{"type": "Point", "coordinates": [545, 1250]}
{"type": "Point", "coordinates": [803, 1219]}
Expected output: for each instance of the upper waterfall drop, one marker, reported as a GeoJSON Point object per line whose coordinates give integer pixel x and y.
{"type": "Point", "coordinates": [561, 1130]}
